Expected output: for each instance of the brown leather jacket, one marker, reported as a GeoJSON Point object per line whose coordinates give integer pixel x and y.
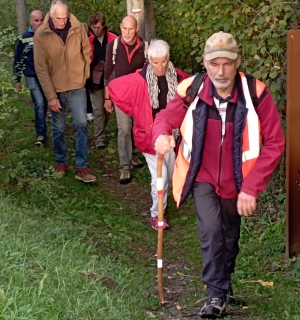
{"type": "Point", "coordinates": [61, 67]}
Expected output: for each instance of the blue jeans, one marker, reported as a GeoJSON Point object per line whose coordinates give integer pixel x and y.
{"type": "Point", "coordinates": [76, 100]}
{"type": "Point", "coordinates": [40, 106]}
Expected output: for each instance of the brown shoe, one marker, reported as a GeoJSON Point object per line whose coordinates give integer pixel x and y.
{"type": "Point", "coordinates": [125, 177]}
{"type": "Point", "coordinates": [136, 162]}
{"type": "Point", "coordinates": [61, 169]}
{"type": "Point", "coordinates": [84, 174]}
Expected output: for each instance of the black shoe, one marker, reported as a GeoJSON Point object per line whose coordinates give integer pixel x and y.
{"type": "Point", "coordinates": [100, 147]}
{"type": "Point", "coordinates": [230, 299]}
{"type": "Point", "coordinates": [40, 141]}
{"type": "Point", "coordinates": [213, 308]}
{"type": "Point", "coordinates": [125, 177]}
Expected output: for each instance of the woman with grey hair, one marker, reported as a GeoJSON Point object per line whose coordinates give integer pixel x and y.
{"type": "Point", "coordinates": [143, 95]}
{"type": "Point", "coordinates": [158, 48]}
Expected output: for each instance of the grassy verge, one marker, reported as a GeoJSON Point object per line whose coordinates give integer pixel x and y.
{"type": "Point", "coordinates": [50, 271]}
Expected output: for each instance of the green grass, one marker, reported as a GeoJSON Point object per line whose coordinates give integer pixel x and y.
{"type": "Point", "coordinates": [50, 271]}
{"type": "Point", "coordinates": [75, 251]}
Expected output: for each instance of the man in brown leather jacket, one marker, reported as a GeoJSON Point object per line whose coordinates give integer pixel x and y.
{"type": "Point", "coordinates": [62, 62]}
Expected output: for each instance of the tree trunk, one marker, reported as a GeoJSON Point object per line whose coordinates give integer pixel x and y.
{"type": "Point", "coordinates": [21, 16]}
{"type": "Point", "coordinates": [150, 32]}
{"type": "Point", "coordinates": [136, 8]}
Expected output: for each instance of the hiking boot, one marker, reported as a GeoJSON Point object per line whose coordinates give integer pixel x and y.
{"type": "Point", "coordinates": [61, 169]}
{"type": "Point", "coordinates": [125, 177]}
{"type": "Point", "coordinates": [84, 174]}
{"type": "Point", "coordinates": [230, 299]}
{"type": "Point", "coordinates": [40, 141]}
{"type": "Point", "coordinates": [89, 117]}
{"type": "Point", "coordinates": [154, 224]}
{"type": "Point", "coordinates": [136, 162]}
{"type": "Point", "coordinates": [213, 308]}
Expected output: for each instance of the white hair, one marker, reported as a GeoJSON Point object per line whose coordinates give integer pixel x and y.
{"type": "Point", "coordinates": [56, 3]}
{"type": "Point", "coordinates": [158, 49]}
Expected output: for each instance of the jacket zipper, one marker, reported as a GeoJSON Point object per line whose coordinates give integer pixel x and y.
{"type": "Point", "coordinates": [221, 150]}
{"type": "Point", "coordinates": [220, 160]}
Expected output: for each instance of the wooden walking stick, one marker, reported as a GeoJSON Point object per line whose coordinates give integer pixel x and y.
{"type": "Point", "coordinates": [160, 233]}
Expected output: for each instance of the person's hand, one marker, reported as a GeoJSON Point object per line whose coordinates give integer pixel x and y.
{"type": "Point", "coordinates": [164, 144]}
{"type": "Point", "coordinates": [108, 105]}
{"type": "Point", "coordinates": [19, 86]}
{"type": "Point", "coordinates": [246, 204]}
{"type": "Point", "coordinates": [54, 105]}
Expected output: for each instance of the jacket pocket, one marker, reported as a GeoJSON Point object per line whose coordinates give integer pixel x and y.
{"type": "Point", "coordinates": [140, 139]}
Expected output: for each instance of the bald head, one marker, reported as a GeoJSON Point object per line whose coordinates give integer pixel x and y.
{"type": "Point", "coordinates": [129, 28]}
{"type": "Point", "coordinates": [36, 18]}
{"type": "Point", "coordinates": [130, 19]}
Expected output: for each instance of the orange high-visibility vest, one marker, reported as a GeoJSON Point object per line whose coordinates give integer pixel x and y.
{"type": "Point", "coordinates": [251, 137]}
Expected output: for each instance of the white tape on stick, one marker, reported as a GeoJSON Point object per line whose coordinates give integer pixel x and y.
{"type": "Point", "coordinates": [159, 263]}
{"type": "Point", "coordinates": [159, 183]}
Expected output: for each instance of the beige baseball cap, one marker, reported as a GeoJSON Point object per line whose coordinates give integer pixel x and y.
{"type": "Point", "coordinates": [221, 45]}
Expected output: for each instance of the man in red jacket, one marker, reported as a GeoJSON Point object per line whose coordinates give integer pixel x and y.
{"type": "Point", "coordinates": [99, 37]}
{"type": "Point", "coordinates": [220, 159]}
{"type": "Point", "coordinates": [143, 95]}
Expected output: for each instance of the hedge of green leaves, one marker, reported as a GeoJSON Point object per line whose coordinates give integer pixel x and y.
{"type": "Point", "coordinates": [260, 27]}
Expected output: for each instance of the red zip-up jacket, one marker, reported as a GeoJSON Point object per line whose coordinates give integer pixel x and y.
{"type": "Point", "coordinates": [110, 37]}
{"type": "Point", "coordinates": [217, 163]}
{"type": "Point", "coordinates": [130, 93]}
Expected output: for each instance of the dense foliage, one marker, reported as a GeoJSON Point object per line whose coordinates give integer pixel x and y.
{"type": "Point", "coordinates": [259, 26]}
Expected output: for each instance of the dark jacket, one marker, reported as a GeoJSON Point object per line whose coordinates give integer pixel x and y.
{"type": "Point", "coordinates": [125, 64]}
{"type": "Point", "coordinates": [23, 59]}
{"type": "Point", "coordinates": [98, 57]}
{"type": "Point", "coordinates": [220, 164]}
{"type": "Point", "coordinates": [130, 93]}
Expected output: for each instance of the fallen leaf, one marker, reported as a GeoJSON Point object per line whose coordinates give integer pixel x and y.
{"type": "Point", "coordinates": [151, 314]}
{"type": "Point", "coordinates": [262, 282]}
{"type": "Point", "coordinates": [83, 272]}
{"type": "Point", "coordinates": [178, 307]}
{"type": "Point", "coordinates": [266, 283]}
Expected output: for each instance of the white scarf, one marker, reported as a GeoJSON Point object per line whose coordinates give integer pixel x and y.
{"type": "Point", "coordinates": [171, 77]}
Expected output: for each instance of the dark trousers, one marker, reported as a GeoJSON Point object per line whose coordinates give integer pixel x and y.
{"type": "Point", "coordinates": [89, 107]}
{"type": "Point", "coordinates": [219, 231]}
